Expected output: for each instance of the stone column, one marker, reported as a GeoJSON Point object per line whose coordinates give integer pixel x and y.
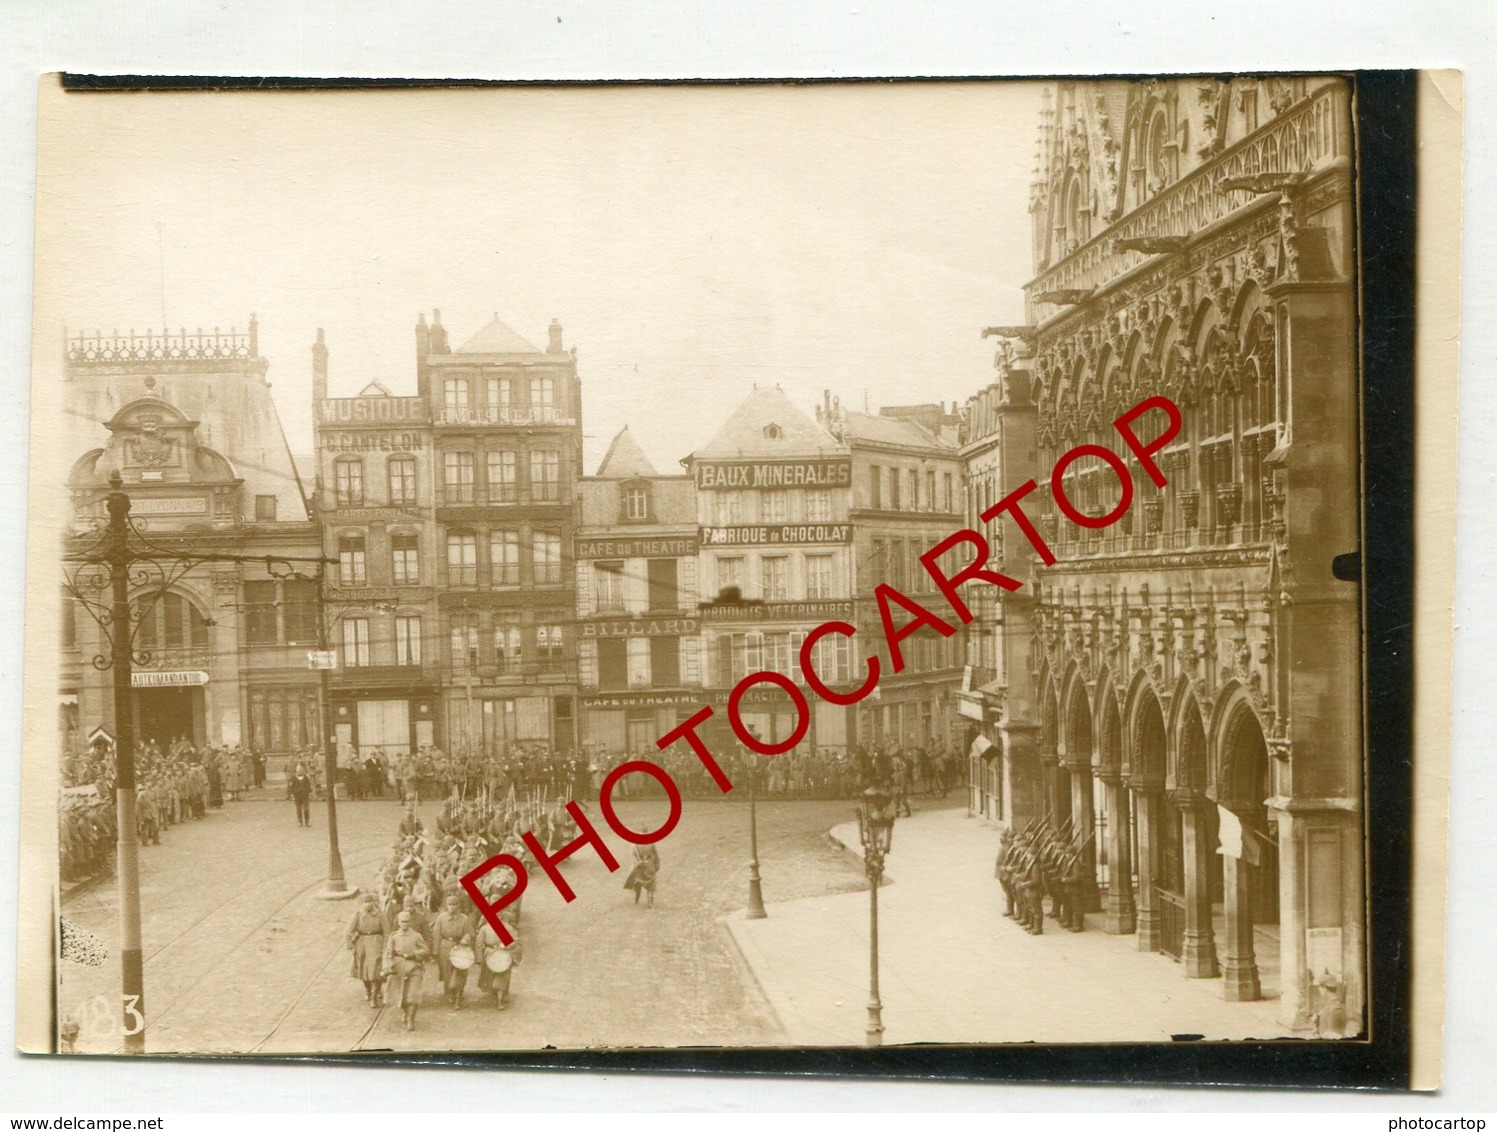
{"type": "Point", "coordinates": [1083, 823]}
{"type": "Point", "coordinates": [1239, 965]}
{"type": "Point", "coordinates": [1199, 953]}
{"type": "Point", "coordinates": [1120, 908]}
{"type": "Point", "coordinates": [1146, 808]}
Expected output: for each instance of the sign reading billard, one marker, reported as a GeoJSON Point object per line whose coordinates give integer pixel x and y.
{"type": "Point", "coordinates": [777, 535]}
{"type": "Point", "coordinates": [168, 679]}
{"type": "Point", "coordinates": [640, 627]}
{"type": "Point", "coordinates": [731, 475]}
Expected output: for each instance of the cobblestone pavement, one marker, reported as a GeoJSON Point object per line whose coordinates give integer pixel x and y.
{"type": "Point", "coordinates": [242, 957]}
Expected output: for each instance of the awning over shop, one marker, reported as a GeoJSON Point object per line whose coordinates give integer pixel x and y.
{"type": "Point", "coordinates": [985, 748]}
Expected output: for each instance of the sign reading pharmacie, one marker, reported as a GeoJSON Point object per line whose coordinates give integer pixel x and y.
{"type": "Point", "coordinates": [780, 534]}
{"type": "Point", "coordinates": [168, 679]}
{"type": "Point", "coordinates": [732, 475]}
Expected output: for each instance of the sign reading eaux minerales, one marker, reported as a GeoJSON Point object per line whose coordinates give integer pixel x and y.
{"type": "Point", "coordinates": [731, 475]}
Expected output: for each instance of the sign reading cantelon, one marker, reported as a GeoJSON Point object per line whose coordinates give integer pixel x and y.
{"type": "Point", "coordinates": [730, 475]}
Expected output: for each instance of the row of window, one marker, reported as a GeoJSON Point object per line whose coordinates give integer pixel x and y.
{"type": "Point", "coordinates": [768, 577]}
{"type": "Point", "coordinates": [460, 483]}
{"type": "Point", "coordinates": [611, 586]}
{"type": "Point", "coordinates": [893, 489]}
{"type": "Point", "coordinates": [473, 642]}
{"type": "Point", "coordinates": [501, 565]}
{"type": "Point", "coordinates": [642, 661]}
{"type": "Point", "coordinates": [457, 393]}
{"type": "Point", "coordinates": [896, 562]}
{"type": "Point", "coordinates": [737, 655]}
{"type": "Point", "coordinates": [813, 505]}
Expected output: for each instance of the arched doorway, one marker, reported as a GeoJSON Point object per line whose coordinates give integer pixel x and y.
{"type": "Point", "coordinates": [1251, 881]}
{"type": "Point", "coordinates": [171, 672]}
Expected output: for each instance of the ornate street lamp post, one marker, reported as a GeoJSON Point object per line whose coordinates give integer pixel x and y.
{"type": "Point", "coordinates": [756, 894]}
{"type": "Point", "coordinates": [876, 829]}
{"type": "Point", "coordinates": [135, 573]}
{"type": "Point", "coordinates": [337, 886]}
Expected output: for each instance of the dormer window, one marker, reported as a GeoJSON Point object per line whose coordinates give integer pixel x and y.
{"type": "Point", "coordinates": [637, 502]}
{"type": "Point", "coordinates": [773, 432]}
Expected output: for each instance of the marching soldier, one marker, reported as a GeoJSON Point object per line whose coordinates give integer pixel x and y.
{"type": "Point", "coordinates": [452, 934]}
{"type": "Point", "coordinates": [406, 951]}
{"type": "Point", "coordinates": [496, 962]}
{"type": "Point", "coordinates": [366, 939]}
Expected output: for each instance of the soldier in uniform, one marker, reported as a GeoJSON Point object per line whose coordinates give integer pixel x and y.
{"type": "Point", "coordinates": [406, 951]}
{"type": "Point", "coordinates": [1003, 870]}
{"type": "Point", "coordinates": [450, 929]}
{"type": "Point", "coordinates": [416, 903]}
{"type": "Point", "coordinates": [490, 981]}
{"type": "Point", "coordinates": [410, 825]}
{"type": "Point", "coordinates": [366, 939]}
{"type": "Point", "coordinates": [1032, 890]}
{"type": "Point", "coordinates": [1050, 871]}
{"type": "Point", "coordinates": [1070, 884]}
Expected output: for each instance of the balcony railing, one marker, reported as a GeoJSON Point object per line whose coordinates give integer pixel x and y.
{"type": "Point", "coordinates": [1302, 139]}
{"type": "Point", "coordinates": [497, 415]}
{"type": "Point", "coordinates": [173, 659]}
{"type": "Point", "coordinates": [115, 348]}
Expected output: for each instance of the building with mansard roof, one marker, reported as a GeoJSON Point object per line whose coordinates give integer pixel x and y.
{"type": "Point", "coordinates": [1194, 667]}
{"type": "Point", "coordinates": [187, 421]}
{"type": "Point", "coordinates": [774, 500]}
{"type": "Point", "coordinates": [638, 626]}
{"type": "Point", "coordinates": [906, 497]}
{"type": "Point", "coordinates": [452, 515]}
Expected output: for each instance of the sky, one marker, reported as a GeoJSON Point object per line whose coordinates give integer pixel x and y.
{"type": "Point", "coordinates": [693, 241]}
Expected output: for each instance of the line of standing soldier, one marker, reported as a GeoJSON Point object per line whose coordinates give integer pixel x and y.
{"type": "Point", "coordinates": [1038, 862]}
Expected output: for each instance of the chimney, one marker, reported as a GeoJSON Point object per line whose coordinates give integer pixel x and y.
{"type": "Point", "coordinates": [554, 345]}
{"type": "Point", "coordinates": [254, 336]}
{"type": "Point", "coordinates": [423, 348]}
{"type": "Point", "coordinates": [438, 334]}
{"type": "Point", "coordinates": [319, 371]}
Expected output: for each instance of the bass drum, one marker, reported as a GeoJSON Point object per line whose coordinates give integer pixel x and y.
{"type": "Point", "coordinates": [498, 960]}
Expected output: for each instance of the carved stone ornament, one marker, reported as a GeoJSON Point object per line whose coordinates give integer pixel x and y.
{"type": "Point", "coordinates": [1190, 507]}
{"type": "Point", "coordinates": [1229, 503]}
{"type": "Point", "coordinates": [1153, 515]}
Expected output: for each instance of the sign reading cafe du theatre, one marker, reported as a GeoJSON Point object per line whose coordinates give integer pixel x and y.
{"type": "Point", "coordinates": [731, 475]}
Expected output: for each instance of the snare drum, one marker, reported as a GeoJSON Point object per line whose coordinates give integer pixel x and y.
{"type": "Point", "coordinates": [461, 956]}
{"type": "Point", "coordinates": [498, 961]}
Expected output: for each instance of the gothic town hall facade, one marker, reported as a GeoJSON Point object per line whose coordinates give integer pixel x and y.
{"type": "Point", "coordinates": [1196, 664]}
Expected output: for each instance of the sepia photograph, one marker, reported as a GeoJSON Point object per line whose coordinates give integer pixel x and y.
{"type": "Point", "coordinates": [755, 566]}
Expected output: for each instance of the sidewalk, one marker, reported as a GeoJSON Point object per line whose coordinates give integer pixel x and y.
{"type": "Point", "coordinates": [953, 969]}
